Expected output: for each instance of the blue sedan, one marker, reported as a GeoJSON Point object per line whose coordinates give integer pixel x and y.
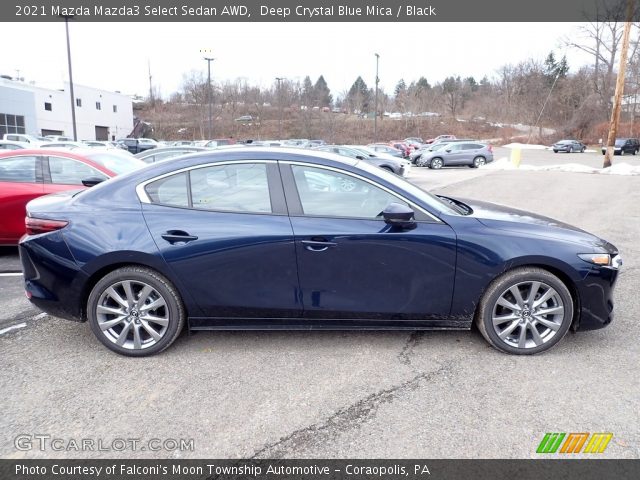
{"type": "Point", "coordinates": [256, 238]}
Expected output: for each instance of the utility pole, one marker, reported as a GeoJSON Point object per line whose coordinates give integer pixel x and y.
{"type": "Point", "coordinates": [73, 100]}
{"type": "Point", "coordinates": [279, 80]}
{"type": "Point", "coordinates": [375, 110]}
{"type": "Point", "coordinates": [617, 99]}
{"type": "Point", "coordinates": [151, 99]}
{"type": "Point", "coordinates": [209, 90]}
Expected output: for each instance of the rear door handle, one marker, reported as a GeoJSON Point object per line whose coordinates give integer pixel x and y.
{"type": "Point", "coordinates": [178, 236]}
{"type": "Point", "coordinates": [317, 246]}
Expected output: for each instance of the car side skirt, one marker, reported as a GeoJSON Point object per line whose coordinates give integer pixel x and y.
{"type": "Point", "coordinates": [325, 324]}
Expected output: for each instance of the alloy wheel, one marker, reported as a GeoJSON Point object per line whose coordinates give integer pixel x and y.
{"type": "Point", "coordinates": [528, 314]}
{"type": "Point", "coordinates": [132, 314]}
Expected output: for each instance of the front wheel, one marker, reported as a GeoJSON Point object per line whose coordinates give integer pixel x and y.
{"type": "Point", "coordinates": [436, 163]}
{"type": "Point", "coordinates": [525, 311]}
{"type": "Point", "coordinates": [135, 311]}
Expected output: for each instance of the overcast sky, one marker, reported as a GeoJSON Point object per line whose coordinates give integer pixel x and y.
{"type": "Point", "coordinates": [115, 56]}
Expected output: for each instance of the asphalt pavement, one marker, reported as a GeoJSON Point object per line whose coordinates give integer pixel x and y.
{"type": "Point", "coordinates": [344, 394]}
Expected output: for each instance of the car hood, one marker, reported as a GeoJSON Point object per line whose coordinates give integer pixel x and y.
{"type": "Point", "coordinates": [506, 218]}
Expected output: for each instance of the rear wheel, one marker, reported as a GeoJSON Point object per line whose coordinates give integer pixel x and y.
{"type": "Point", "coordinates": [479, 161]}
{"type": "Point", "coordinates": [436, 163]}
{"type": "Point", "coordinates": [525, 311]}
{"type": "Point", "coordinates": [135, 311]}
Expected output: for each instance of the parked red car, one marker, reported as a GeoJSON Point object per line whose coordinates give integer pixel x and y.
{"type": "Point", "coordinates": [27, 174]}
{"type": "Point", "coordinates": [405, 147]}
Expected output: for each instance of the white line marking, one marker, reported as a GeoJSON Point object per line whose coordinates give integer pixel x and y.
{"type": "Point", "coordinates": [12, 327]}
{"type": "Point", "coordinates": [11, 274]}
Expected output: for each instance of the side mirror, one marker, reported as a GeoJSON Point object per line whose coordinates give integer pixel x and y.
{"type": "Point", "coordinates": [359, 157]}
{"type": "Point", "coordinates": [398, 215]}
{"type": "Point", "coordinates": [92, 181]}
{"type": "Point", "coordinates": [448, 150]}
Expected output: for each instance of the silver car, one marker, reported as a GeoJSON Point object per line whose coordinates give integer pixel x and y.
{"type": "Point", "coordinates": [472, 154]}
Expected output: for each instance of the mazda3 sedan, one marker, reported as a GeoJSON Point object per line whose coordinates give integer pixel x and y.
{"type": "Point", "coordinates": [255, 238]}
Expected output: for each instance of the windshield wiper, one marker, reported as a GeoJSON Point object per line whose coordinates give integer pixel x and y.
{"type": "Point", "coordinates": [460, 207]}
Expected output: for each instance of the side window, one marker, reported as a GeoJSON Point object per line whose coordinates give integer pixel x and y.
{"type": "Point", "coordinates": [18, 169]}
{"type": "Point", "coordinates": [235, 188]}
{"type": "Point", "coordinates": [170, 190]}
{"type": "Point", "coordinates": [68, 171]}
{"type": "Point", "coordinates": [455, 147]}
{"type": "Point", "coordinates": [332, 194]}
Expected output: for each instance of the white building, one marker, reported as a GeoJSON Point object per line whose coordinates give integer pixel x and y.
{"type": "Point", "coordinates": [100, 115]}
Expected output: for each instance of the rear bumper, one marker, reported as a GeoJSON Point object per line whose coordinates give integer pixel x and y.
{"type": "Point", "coordinates": [52, 279]}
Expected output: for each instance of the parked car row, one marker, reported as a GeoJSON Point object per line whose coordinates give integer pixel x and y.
{"type": "Point", "coordinates": [449, 152]}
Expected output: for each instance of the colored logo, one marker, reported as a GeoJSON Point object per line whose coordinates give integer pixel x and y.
{"type": "Point", "coordinates": [574, 443]}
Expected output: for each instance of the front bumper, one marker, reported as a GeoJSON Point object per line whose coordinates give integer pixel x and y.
{"type": "Point", "coordinates": [596, 298]}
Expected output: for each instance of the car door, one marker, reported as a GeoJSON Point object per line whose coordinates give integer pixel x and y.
{"type": "Point", "coordinates": [223, 230]}
{"type": "Point", "coordinates": [352, 265]}
{"type": "Point", "coordinates": [20, 182]}
{"type": "Point", "coordinates": [454, 154]}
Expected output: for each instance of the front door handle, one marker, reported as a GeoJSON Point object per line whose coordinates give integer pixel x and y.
{"type": "Point", "coordinates": [178, 236]}
{"type": "Point", "coordinates": [317, 246]}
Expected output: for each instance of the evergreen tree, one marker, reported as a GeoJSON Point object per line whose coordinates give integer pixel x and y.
{"type": "Point", "coordinates": [322, 92]}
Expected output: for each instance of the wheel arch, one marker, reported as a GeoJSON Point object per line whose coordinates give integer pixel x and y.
{"type": "Point", "coordinates": [109, 264]}
{"type": "Point", "coordinates": [554, 268]}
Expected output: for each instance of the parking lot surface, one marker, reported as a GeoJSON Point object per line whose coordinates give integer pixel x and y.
{"type": "Point", "coordinates": [345, 394]}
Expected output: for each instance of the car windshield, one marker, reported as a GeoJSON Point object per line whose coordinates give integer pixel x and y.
{"type": "Point", "coordinates": [116, 162]}
{"type": "Point", "coordinates": [620, 142]}
{"type": "Point", "coordinates": [427, 198]}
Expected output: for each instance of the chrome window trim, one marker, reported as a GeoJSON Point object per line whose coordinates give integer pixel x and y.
{"type": "Point", "coordinates": [360, 177]}
{"type": "Point", "coordinates": [144, 197]}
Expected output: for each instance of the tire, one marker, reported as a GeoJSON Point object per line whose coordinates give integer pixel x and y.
{"type": "Point", "coordinates": [421, 162]}
{"type": "Point", "coordinates": [555, 151]}
{"type": "Point", "coordinates": [119, 311]}
{"type": "Point", "coordinates": [516, 323]}
{"type": "Point", "coordinates": [634, 152]}
{"type": "Point", "coordinates": [583, 149]}
{"type": "Point", "coordinates": [479, 161]}
{"type": "Point", "coordinates": [570, 150]}
{"type": "Point", "coordinates": [436, 163]}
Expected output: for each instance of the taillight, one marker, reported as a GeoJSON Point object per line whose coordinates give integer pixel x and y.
{"type": "Point", "coordinates": [491, 148]}
{"type": "Point", "coordinates": [41, 225]}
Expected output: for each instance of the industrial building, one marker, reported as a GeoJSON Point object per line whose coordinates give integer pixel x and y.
{"type": "Point", "coordinates": [30, 109]}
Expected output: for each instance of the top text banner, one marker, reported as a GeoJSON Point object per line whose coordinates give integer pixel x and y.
{"type": "Point", "coordinates": [316, 10]}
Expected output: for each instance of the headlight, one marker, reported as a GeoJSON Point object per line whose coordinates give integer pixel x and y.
{"type": "Point", "coordinates": [602, 259]}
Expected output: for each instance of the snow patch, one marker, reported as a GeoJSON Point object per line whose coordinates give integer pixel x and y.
{"type": "Point", "coordinates": [617, 169]}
